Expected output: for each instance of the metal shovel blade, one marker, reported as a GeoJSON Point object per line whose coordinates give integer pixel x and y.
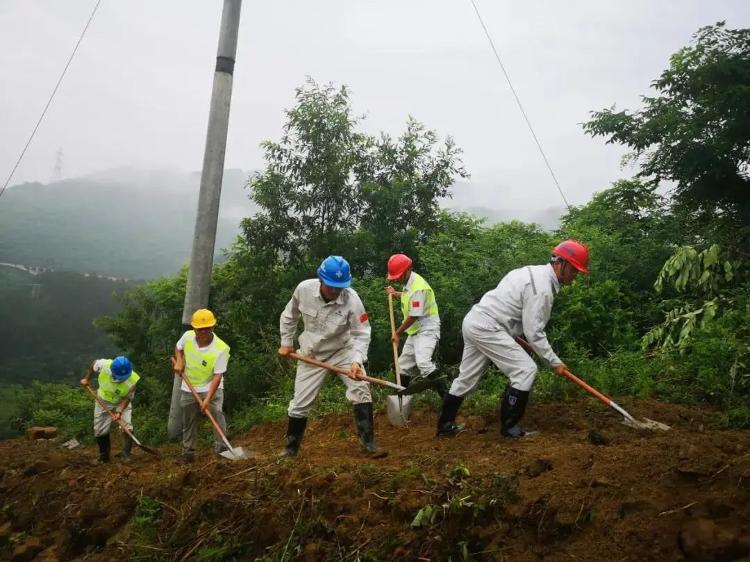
{"type": "Point", "coordinates": [236, 454]}
{"type": "Point", "coordinates": [398, 409]}
{"type": "Point", "coordinates": [646, 423]}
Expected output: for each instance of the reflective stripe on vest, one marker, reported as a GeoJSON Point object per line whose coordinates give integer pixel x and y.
{"type": "Point", "coordinates": [112, 391]}
{"type": "Point", "coordinates": [199, 363]}
{"type": "Point", "coordinates": [431, 307]}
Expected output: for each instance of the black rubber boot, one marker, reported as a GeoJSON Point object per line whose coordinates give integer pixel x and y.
{"type": "Point", "coordinates": [364, 423]}
{"type": "Point", "coordinates": [512, 410]}
{"type": "Point", "coordinates": [447, 426]}
{"type": "Point", "coordinates": [104, 447]}
{"type": "Point", "coordinates": [294, 433]}
{"type": "Point", "coordinates": [441, 386]}
{"type": "Point", "coordinates": [434, 381]}
{"type": "Point", "coordinates": [127, 447]}
{"type": "Point", "coordinates": [405, 381]}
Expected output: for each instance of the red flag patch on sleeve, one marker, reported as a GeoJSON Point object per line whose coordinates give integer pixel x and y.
{"type": "Point", "coordinates": [415, 304]}
{"type": "Point", "coordinates": [363, 318]}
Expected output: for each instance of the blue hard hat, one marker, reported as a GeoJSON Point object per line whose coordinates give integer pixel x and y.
{"type": "Point", "coordinates": [334, 272]}
{"type": "Point", "coordinates": [120, 368]}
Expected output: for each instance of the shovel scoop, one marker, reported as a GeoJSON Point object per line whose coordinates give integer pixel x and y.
{"type": "Point", "coordinates": [627, 419]}
{"type": "Point", "coordinates": [231, 453]}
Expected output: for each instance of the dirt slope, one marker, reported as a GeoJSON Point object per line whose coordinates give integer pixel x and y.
{"type": "Point", "coordinates": [585, 488]}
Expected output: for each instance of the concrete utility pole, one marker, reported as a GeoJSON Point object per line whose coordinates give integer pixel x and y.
{"type": "Point", "coordinates": [204, 239]}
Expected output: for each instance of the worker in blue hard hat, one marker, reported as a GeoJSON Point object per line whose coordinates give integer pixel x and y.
{"type": "Point", "coordinates": [336, 331]}
{"type": "Point", "coordinates": [117, 381]}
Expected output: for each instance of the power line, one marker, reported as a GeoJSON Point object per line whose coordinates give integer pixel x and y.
{"type": "Point", "coordinates": [520, 106]}
{"type": "Point", "coordinates": [49, 101]}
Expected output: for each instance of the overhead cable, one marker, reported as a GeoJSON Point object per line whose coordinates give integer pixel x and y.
{"type": "Point", "coordinates": [49, 101]}
{"type": "Point", "coordinates": [520, 106]}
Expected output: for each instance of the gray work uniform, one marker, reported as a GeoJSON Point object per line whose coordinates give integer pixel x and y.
{"type": "Point", "coordinates": [416, 357]}
{"type": "Point", "coordinates": [103, 421]}
{"type": "Point", "coordinates": [519, 306]}
{"type": "Point", "coordinates": [191, 414]}
{"type": "Point", "coordinates": [337, 332]}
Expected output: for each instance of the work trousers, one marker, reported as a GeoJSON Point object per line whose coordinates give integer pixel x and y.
{"type": "Point", "coordinates": [485, 341]}
{"type": "Point", "coordinates": [416, 357]}
{"type": "Point", "coordinates": [309, 380]}
{"type": "Point", "coordinates": [103, 421]}
{"type": "Point", "coordinates": [191, 413]}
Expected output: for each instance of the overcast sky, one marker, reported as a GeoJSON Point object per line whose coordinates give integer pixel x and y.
{"type": "Point", "coordinates": [137, 93]}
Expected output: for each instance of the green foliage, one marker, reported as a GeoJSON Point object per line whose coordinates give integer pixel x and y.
{"type": "Point", "coordinates": [705, 272]}
{"type": "Point", "coordinates": [327, 185]}
{"type": "Point", "coordinates": [147, 517]}
{"type": "Point", "coordinates": [68, 408]}
{"type": "Point", "coordinates": [704, 278]}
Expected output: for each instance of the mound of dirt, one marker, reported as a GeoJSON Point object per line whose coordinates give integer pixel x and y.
{"type": "Point", "coordinates": [585, 487]}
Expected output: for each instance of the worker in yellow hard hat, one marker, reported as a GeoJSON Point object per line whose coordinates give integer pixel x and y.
{"type": "Point", "coordinates": [202, 357]}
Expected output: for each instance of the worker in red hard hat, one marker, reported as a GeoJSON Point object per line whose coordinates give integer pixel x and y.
{"type": "Point", "coordinates": [519, 306]}
{"type": "Point", "coordinates": [421, 324]}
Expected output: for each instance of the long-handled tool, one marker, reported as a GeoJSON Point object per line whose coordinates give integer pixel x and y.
{"type": "Point", "coordinates": [398, 407]}
{"type": "Point", "coordinates": [104, 407]}
{"type": "Point", "coordinates": [232, 453]}
{"type": "Point", "coordinates": [342, 371]}
{"type": "Point", "coordinates": [628, 419]}
{"type": "Point", "coordinates": [645, 423]}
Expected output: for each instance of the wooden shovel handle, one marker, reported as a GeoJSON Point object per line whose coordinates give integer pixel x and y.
{"type": "Point", "coordinates": [119, 421]}
{"type": "Point", "coordinates": [396, 366]}
{"type": "Point", "coordinates": [341, 370]}
{"type": "Point", "coordinates": [207, 412]}
{"type": "Point", "coordinates": [583, 384]}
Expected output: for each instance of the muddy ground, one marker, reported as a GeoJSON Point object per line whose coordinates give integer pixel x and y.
{"type": "Point", "coordinates": [585, 488]}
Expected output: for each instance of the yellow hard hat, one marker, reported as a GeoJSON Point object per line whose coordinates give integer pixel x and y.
{"type": "Point", "coordinates": [203, 318]}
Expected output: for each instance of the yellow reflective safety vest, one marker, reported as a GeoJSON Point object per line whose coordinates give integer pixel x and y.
{"type": "Point", "coordinates": [199, 363]}
{"type": "Point", "coordinates": [112, 391]}
{"type": "Point", "coordinates": [430, 304]}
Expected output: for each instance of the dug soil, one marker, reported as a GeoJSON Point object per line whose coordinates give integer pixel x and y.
{"type": "Point", "coordinates": [585, 487]}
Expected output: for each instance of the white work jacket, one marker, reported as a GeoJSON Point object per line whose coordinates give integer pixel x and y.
{"type": "Point", "coordinates": [328, 326]}
{"type": "Point", "coordinates": [522, 303]}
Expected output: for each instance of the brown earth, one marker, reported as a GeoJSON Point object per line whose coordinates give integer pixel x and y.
{"type": "Point", "coordinates": [585, 488]}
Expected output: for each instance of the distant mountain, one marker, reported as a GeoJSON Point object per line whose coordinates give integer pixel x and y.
{"type": "Point", "coordinates": [134, 224]}
{"type": "Point", "coordinates": [123, 223]}
{"type": "Point", "coordinates": [548, 219]}
{"type": "Point", "coordinates": [495, 203]}
{"type": "Point", "coordinates": [46, 323]}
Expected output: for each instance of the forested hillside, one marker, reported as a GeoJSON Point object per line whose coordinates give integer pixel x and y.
{"type": "Point", "coordinates": [122, 223]}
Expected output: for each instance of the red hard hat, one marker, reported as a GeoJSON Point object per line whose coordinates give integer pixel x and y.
{"type": "Point", "coordinates": [575, 253]}
{"type": "Point", "coordinates": [397, 264]}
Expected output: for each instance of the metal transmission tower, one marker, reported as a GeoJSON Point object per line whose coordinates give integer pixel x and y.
{"type": "Point", "coordinates": [204, 239]}
{"type": "Point", "coordinates": [57, 171]}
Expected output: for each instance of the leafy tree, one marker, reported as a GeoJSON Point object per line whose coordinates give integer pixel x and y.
{"type": "Point", "coordinates": [703, 281]}
{"type": "Point", "coordinates": [327, 186]}
{"type": "Point", "coordinates": [695, 131]}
